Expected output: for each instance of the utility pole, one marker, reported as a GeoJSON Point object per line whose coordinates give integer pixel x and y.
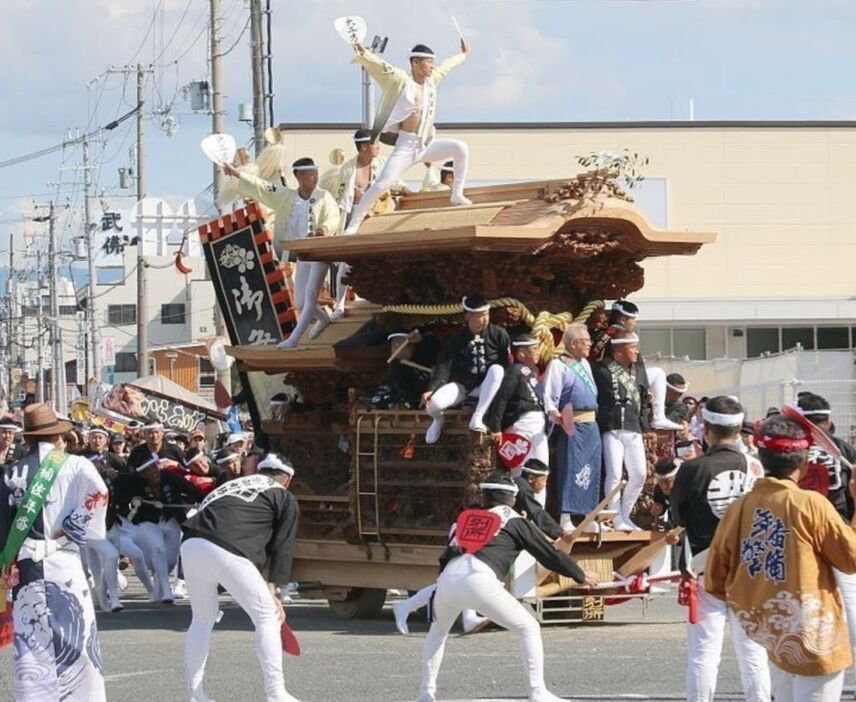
{"type": "Point", "coordinates": [378, 46]}
{"type": "Point", "coordinates": [257, 44]}
{"type": "Point", "coordinates": [224, 376]}
{"type": "Point", "coordinates": [91, 306]}
{"type": "Point", "coordinates": [142, 273]}
{"type": "Point", "coordinates": [57, 360]}
{"type": "Point", "coordinates": [40, 323]}
{"type": "Point", "coordinates": [10, 292]}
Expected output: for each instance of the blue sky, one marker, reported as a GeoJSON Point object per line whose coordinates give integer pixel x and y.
{"type": "Point", "coordinates": [532, 61]}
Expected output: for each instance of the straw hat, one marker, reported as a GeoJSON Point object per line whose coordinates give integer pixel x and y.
{"type": "Point", "coordinates": [41, 420]}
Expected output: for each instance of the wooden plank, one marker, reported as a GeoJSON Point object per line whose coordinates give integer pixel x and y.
{"type": "Point", "coordinates": [643, 558]}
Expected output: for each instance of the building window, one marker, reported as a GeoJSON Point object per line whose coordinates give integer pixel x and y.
{"type": "Point", "coordinates": [126, 362]}
{"type": "Point", "coordinates": [691, 343]}
{"type": "Point", "coordinates": [678, 342]}
{"type": "Point", "coordinates": [68, 309]}
{"type": "Point", "coordinates": [833, 338]}
{"type": "Point", "coordinates": [655, 341]}
{"type": "Point", "coordinates": [120, 315]}
{"type": "Point", "coordinates": [172, 313]}
{"type": "Point", "coordinates": [109, 275]}
{"type": "Point", "coordinates": [762, 340]}
{"type": "Point", "coordinates": [804, 336]}
{"type": "Point", "coordinates": [207, 375]}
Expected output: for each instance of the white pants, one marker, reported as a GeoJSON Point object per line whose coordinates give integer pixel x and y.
{"type": "Point", "coordinates": [206, 566]}
{"type": "Point", "coordinates": [532, 425]}
{"type": "Point", "coordinates": [308, 281]}
{"type": "Point", "coordinates": [704, 639]}
{"type": "Point", "coordinates": [343, 270]}
{"type": "Point", "coordinates": [422, 598]}
{"type": "Point", "coordinates": [657, 384]}
{"type": "Point", "coordinates": [452, 394]}
{"type": "Point", "coordinates": [624, 449]}
{"type": "Point", "coordinates": [788, 687]}
{"type": "Point", "coordinates": [408, 151]}
{"type": "Point", "coordinates": [468, 583]}
{"type": "Point", "coordinates": [847, 586]}
{"type": "Point", "coordinates": [159, 544]}
{"type": "Point", "coordinates": [103, 559]}
{"type": "Point", "coordinates": [123, 540]}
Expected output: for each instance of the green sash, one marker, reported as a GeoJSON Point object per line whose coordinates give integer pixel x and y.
{"type": "Point", "coordinates": [31, 505]}
{"type": "Point", "coordinates": [579, 370]}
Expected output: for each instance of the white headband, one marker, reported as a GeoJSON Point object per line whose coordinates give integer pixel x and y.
{"type": "Point", "coordinates": [306, 167]}
{"type": "Point", "coordinates": [228, 457]}
{"type": "Point", "coordinates": [421, 54]}
{"type": "Point", "coordinates": [676, 388]}
{"type": "Point", "coordinates": [525, 342]}
{"type": "Point", "coordinates": [155, 458]}
{"type": "Point", "coordinates": [273, 462]}
{"type": "Point", "coordinates": [360, 140]}
{"type": "Point", "coordinates": [678, 464]}
{"type": "Point", "coordinates": [625, 312]}
{"type": "Point", "coordinates": [723, 420]}
{"type": "Point", "coordinates": [10, 427]}
{"type": "Point", "coordinates": [632, 339]}
{"type": "Point", "coordinates": [447, 169]}
{"type": "Point", "coordinates": [98, 430]}
{"type": "Point", "coordinates": [805, 412]}
{"type": "Point", "coordinates": [154, 425]}
{"type": "Point", "coordinates": [484, 308]}
{"type": "Point", "coordinates": [536, 471]}
{"type": "Point", "coordinates": [197, 458]}
{"type": "Point", "coordinates": [502, 487]}
{"type": "Point", "coordinates": [396, 335]}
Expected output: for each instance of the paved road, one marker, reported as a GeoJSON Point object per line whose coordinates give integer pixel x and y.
{"type": "Point", "coordinates": [631, 656]}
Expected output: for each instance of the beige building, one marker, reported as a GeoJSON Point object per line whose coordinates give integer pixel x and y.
{"type": "Point", "coordinates": [777, 195]}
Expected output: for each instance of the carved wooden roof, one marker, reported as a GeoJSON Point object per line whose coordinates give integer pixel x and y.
{"type": "Point", "coordinates": [542, 242]}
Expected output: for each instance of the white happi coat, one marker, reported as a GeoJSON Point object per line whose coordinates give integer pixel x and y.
{"type": "Point", "coordinates": [57, 654]}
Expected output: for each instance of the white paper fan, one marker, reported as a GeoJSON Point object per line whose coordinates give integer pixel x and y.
{"type": "Point", "coordinates": [220, 148]}
{"type": "Point", "coordinates": [352, 29]}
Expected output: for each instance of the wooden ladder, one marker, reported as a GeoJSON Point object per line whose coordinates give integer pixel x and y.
{"type": "Point", "coordinates": [363, 493]}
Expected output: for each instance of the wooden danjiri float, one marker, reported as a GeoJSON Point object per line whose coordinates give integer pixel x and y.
{"type": "Point", "coordinates": [376, 501]}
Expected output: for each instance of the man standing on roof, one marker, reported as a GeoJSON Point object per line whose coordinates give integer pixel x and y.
{"type": "Point", "coordinates": [406, 112]}
{"type": "Point", "coordinates": [353, 180]}
{"type": "Point", "coordinates": [305, 212]}
{"type": "Point", "coordinates": [242, 526]}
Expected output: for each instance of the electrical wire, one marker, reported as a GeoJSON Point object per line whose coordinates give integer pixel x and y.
{"type": "Point", "coordinates": [240, 36]}
{"type": "Point", "coordinates": [69, 142]}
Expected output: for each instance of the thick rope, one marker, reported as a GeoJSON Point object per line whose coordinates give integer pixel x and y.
{"type": "Point", "coordinates": [541, 325]}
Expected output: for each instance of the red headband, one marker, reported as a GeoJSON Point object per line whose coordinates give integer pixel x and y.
{"type": "Point", "coordinates": [782, 444]}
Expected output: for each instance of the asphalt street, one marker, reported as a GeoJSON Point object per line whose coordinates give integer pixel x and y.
{"type": "Point", "coordinates": [634, 655]}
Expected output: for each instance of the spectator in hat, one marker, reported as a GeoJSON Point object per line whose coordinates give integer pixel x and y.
{"type": "Point", "coordinates": [747, 436]}
{"type": "Point", "coordinates": [229, 465]}
{"type": "Point", "coordinates": [119, 446]}
{"type": "Point", "coordinates": [10, 450]}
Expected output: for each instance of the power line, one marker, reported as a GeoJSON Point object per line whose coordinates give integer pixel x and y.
{"type": "Point", "coordinates": [69, 142]}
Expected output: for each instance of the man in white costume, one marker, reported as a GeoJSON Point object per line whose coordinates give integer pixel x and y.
{"type": "Point", "coordinates": [306, 211]}
{"type": "Point", "coordinates": [51, 503]}
{"type": "Point", "coordinates": [406, 112]}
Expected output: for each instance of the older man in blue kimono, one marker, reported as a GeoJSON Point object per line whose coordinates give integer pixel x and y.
{"type": "Point", "coordinates": [570, 400]}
